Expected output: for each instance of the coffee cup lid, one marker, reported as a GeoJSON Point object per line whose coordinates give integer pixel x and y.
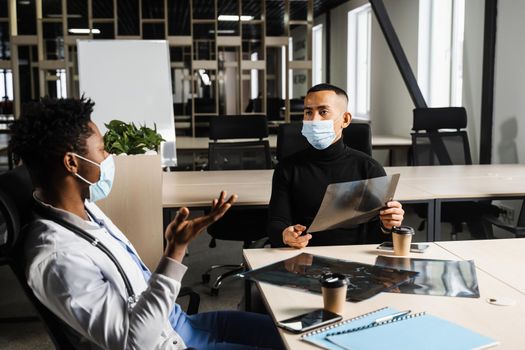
{"type": "Point", "coordinates": [403, 230]}
{"type": "Point", "coordinates": [333, 280]}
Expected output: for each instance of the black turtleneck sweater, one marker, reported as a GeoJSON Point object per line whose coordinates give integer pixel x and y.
{"type": "Point", "coordinates": [298, 187]}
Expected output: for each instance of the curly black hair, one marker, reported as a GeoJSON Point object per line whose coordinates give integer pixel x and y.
{"type": "Point", "coordinates": [48, 129]}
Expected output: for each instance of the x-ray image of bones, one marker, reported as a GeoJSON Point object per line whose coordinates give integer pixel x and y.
{"type": "Point", "coordinates": [436, 277]}
{"type": "Point", "coordinates": [304, 270]}
{"type": "Point", "coordinates": [347, 204]}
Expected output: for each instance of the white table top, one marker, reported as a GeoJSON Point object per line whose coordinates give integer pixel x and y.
{"type": "Point", "coordinates": [201, 143]}
{"type": "Point", "coordinates": [198, 188]}
{"type": "Point", "coordinates": [253, 187]}
{"type": "Point", "coordinates": [465, 181]}
{"type": "Point", "coordinates": [501, 323]}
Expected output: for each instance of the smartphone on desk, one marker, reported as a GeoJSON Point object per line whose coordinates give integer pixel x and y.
{"type": "Point", "coordinates": [414, 247]}
{"type": "Point", "coordinates": [308, 321]}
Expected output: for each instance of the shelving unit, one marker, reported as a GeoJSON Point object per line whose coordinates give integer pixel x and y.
{"type": "Point", "coordinates": [259, 55]}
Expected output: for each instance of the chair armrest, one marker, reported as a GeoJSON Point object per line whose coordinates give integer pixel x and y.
{"type": "Point", "coordinates": [194, 302]}
{"type": "Point", "coordinates": [518, 231]}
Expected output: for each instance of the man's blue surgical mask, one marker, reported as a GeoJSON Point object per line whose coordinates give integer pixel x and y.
{"type": "Point", "coordinates": [319, 133]}
{"type": "Point", "coordinates": [100, 189]}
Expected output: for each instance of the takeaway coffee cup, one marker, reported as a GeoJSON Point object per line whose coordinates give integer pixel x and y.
{"type": "Point", "coordinates": [402, 238]}
{"type": "Point", "coordinates": [334, 286]}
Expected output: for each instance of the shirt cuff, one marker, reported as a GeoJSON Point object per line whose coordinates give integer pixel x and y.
{"type": "Point", "coordinates": [171, 268]}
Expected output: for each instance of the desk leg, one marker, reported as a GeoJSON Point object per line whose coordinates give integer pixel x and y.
{"type": "Point", "coordinates": [437, 220]}
{"type": "Point", "coordinates": [430, 221]}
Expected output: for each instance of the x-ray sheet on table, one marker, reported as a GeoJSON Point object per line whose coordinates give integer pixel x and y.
{"type": "Point", "coordinates": [436, 277]}
{"type": "Point", "coordinates": [347, 204]}
{"type": "Point", "coordinates": [304, 270]}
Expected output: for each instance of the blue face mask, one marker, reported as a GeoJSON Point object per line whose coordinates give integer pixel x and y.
{"type": "Point", "coordinates": [100, 189]}
{"type": "Point", "coordinates": [319, 133]}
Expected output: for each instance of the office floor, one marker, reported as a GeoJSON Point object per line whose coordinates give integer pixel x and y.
{"type": "Point", "coordinates": [31, 335]}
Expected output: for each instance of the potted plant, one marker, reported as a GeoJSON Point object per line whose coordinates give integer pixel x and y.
{"type": "Point", "coordinates": [135, 201]}
{"type": "Point", "coordinates": [127, 138]}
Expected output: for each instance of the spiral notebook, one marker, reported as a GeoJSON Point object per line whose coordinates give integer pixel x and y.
{"type": "Point", "coordinates": [414, 331]}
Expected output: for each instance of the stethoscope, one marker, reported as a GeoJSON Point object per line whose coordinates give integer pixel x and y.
{"type": "Point", "coordinates": [132, 297]}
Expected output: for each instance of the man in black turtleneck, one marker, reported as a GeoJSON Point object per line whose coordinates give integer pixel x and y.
{"type": "Point", "coordinates": [300, 181]}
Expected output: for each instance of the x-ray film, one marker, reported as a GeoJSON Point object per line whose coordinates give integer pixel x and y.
{"type": "Point", "coordinates": [436, 277]}
{"type": "Point", "coordinates": [304, 270]}
{"type": "Point", "coordinates": [347, 204]}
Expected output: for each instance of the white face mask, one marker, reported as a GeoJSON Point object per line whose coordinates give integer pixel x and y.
{"type": "Point", "coordinates": [100, 189]}
{"type": "Point", "coordinates": [319, 133]}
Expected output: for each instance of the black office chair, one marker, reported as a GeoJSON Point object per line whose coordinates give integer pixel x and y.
{"type": "Point", "coordinates": [290, 140]}
{"type": "Point", "coordinates": [274, 107]}
{"type": "Point", "coordinates": [296, 107]}
{"type": "Point", "coordinates": [517, 230]}
{"type": "Point", "coordinates": [439, 138]}
{"type": "Point", "coordinates": [16, 203]}
{"type": "Point", "coordinates": [235, 156]}
{"type": "Point", "coordinates": [239, 155]}
{"type": "Point", "coordinates": [16, 210]}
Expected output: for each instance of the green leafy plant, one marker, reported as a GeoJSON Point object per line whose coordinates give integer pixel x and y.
{"type": "Point", "coordinates": [127, 138]}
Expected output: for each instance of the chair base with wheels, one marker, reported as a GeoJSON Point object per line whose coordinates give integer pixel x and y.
{"type": "Point", "coordinates": [234, 270]}
{"type": "Point", "coordinates": [238, 224]}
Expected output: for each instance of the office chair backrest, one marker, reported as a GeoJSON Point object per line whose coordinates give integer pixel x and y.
{"type": "Point", "coordinates": [273, 108]}
{"type": "Point", "coordinates": [238, 127]}
{"type": "Point", "coordinates": [290, 140]}
{"type": "Point", "coordinates": [239, 155]}
{"type": "Point", "coordinates": [16, 203]}
{"type": "Point", "coordinates": [358, 136]}
{"type": "Point", "coordinates": [17, 192]}
{"type": "Point", "coordinates": [438, 138]}
{"type": "Point", "coordinates": [296, 105]}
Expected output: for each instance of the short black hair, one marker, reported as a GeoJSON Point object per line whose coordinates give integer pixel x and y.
{"type": "Point", "coordinates": [328, 87]}
{"type": "Point", "coordinates": [47, 129]}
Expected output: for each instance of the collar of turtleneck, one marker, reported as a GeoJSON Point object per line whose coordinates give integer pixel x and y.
{"type": "Point", "coordinates": [333, 151]}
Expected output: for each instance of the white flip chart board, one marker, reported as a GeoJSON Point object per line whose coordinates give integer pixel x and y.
{"type": "Point", "coordinates": [130, 80]}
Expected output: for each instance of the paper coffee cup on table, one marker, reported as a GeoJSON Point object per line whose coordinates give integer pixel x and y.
{"type": "Point", "coordinates": [402, 238]}
{"type": "Point", "coordinates": [334, 286]}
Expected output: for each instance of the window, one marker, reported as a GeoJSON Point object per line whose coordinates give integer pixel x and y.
{"type": "Point", "coordinates": [317, 54]}
{"type": "Point", "coordinates": [254, 78]}
{"type": "Point", "coordinates": [358, 64]}
{"type": "Point", "coordinates": [440, 51]}
{"type": "Point", "coordinates": [290, 73]}
{"type": "Point", "coordinates": [61, 83]}
{"type": "Point", "coordinates": [6, 84]}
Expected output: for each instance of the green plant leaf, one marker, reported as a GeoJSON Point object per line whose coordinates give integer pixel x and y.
{"type": "Point", "coordinates": [127, 138]}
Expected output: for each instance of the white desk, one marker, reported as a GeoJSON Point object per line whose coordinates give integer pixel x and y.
{"type": "Point", "coordinates": [188, 143]}
{"type": "Point", "coordinates": [253, 187]}
{"type": "Point", "coordinates": [504, 324]}
{"type": "Point", "coordinates": [430, 184]}
{"type": "Point", "coordinates": [464, 182]}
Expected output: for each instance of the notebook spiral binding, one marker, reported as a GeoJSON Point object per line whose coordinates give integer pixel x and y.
{"type": "Point", "coordinates": [324, 329]}
{"type": "Point", "coordinates": [373, 324]}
